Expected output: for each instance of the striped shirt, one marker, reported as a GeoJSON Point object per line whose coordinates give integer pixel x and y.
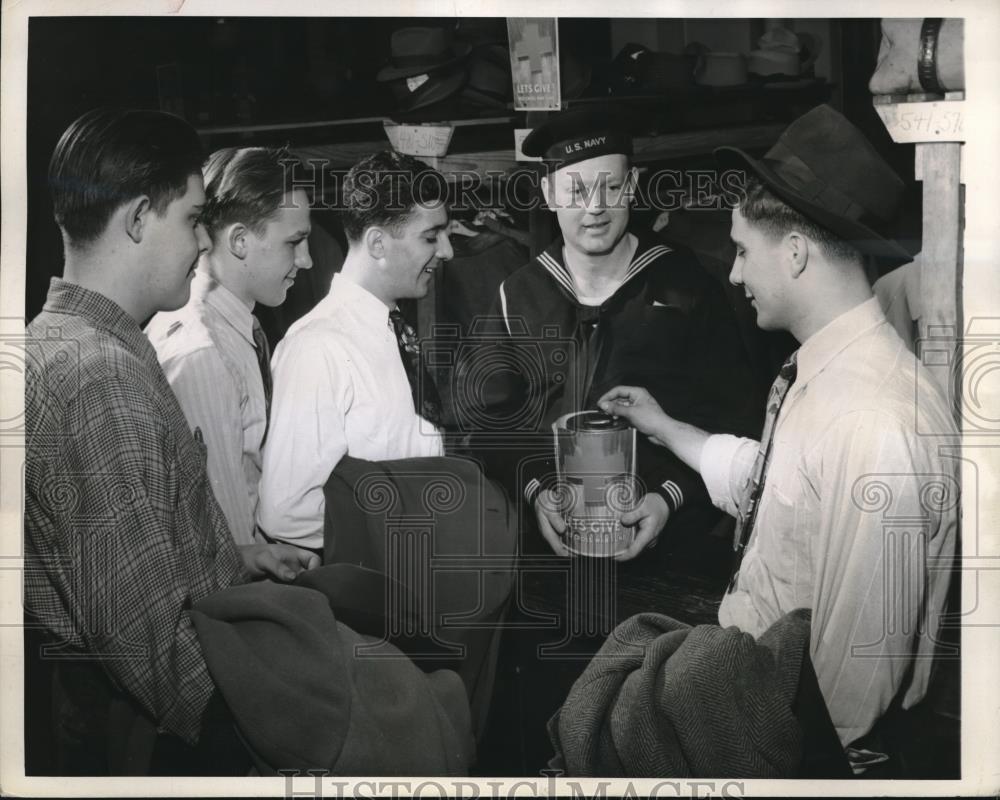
{"type": "Point", "coordinates": [123, 533]}
{"type": "Point", "coordinates": [207, 352]}
{"type": "Point", "coordinates": [858, 516]}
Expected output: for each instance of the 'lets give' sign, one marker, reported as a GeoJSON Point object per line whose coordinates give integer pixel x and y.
{"type": "Point", "coordinates": [534, 63]}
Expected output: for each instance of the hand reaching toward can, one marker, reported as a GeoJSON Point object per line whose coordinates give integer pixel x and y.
{"type": "Point", "coordinates": [637, 406]}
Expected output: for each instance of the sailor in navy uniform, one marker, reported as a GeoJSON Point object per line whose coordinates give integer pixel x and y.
{"type": "Point", "coordinates": [623, 307]}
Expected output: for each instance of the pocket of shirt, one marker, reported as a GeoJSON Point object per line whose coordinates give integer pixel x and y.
{"type": "Point", "coordinates": [779, 517]}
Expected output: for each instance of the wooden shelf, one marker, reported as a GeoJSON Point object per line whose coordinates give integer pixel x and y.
{"type": "Point", "coordinates": [699, 142]}
{"type": "Point", "coordinates": [646, 149]}
{"type": "Point", "coordinates": [740, 116]}
{"type": "Point", "coordinates": [337, 123]}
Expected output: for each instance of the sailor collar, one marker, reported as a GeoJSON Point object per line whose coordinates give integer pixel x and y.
{"type": "Point", "coordinates": [647, 251]}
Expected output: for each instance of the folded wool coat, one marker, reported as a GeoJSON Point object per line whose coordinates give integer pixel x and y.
{"type": "Point", "coordinates": [447, 535]}
{"type": "Point", "coordinates": [468, 517]}
{"type": "Point", "coordinates": [307, 692]}
{"type": "Point", "coordinates": [662, 699]}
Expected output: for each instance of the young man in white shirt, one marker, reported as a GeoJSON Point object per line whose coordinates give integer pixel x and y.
{"type": "Point", "coordinates": [842, 455]}
{"type": "Point", "coordinates": [213, 350]}
{"type": "Point", "coordinates": [341, 386]}
{"type": "Point", "coordinates": [347, 384]}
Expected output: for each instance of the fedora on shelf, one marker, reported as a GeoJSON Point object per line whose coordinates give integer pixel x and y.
{"type": "Point", "coordinates": [414, 51]}
{"type": "Point", "coordinates": [427, 88]}
{"type": "Point", "coordinates": [425, 67]}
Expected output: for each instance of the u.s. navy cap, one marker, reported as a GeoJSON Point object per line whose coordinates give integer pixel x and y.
{"type": "Point", "coordinates": [578, 134]}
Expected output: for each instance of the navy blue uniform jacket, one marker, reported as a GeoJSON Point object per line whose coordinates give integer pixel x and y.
{"type": "Point", "coordinates": [668, 328]}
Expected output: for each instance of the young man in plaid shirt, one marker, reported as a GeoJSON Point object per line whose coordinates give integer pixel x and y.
{"type": "Point", "coordinates": [123, 533]}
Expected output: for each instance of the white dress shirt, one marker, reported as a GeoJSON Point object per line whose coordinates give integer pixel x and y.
{"type": "Point", "coordinates": [340, 388]}
{"type": "Point", "coordinates": [207, 351]}
{"type": "Point", "coordinates": [858, 516]}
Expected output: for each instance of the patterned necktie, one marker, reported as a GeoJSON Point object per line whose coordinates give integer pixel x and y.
{"type": "Point", "coordinates": [426, 400]}
{"type": "Point", "coordinates": [754, 487]}
{"type": "Point", "coordinates": [264, 363]}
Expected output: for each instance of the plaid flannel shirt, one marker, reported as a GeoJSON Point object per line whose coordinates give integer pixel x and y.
{"type": "Point", "coordinates": [123, 533]}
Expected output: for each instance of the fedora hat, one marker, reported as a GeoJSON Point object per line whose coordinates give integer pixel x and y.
{"type": "Point", "coordinates": [414, 51]}
{"type": "Point", "coordinates": [428, 88]}
{"type": "Point", "coordinates": [825, 168]}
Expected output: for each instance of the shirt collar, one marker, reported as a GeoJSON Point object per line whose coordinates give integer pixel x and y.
{"type": "Point", "coordinates": [368, 305]}
{"type": "Point", "coordinates": [823, 346]}
{"type": "Point", "coordinates": [71, 298]}
{"type": "Point", "coordinates": [205, 289]}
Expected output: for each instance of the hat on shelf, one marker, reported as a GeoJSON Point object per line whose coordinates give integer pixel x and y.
{"type": "Point", "coordinates": [638, 70]}
{"type": "Point", "coordinates": [415, 51]}
{"type": "Point", "coordinates": [489, 80]}
{"type": "Point", "coordinates": [425, 67]}
{"type": "Point", "coordinates": [428, 88]}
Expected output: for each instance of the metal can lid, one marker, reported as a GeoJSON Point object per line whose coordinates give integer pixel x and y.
{"type": "Point", "coordinates": [595, 422]}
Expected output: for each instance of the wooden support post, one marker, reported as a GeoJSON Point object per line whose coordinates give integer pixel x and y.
{"type": "Point", "coordinates": [938, 166]}
{"type": "Point", "coordinates": [936, 127]}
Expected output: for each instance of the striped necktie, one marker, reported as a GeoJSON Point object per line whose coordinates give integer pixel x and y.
{"type": "Point", "coordinates": [754, 487]}
{"type": "Point", "coordinates": [264, 363]}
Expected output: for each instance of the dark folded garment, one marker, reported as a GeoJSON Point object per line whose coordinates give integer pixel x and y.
{"type": "Point", "coordinates": [661, 699]}
{"type": "Point", "coordinates": [373, 604]}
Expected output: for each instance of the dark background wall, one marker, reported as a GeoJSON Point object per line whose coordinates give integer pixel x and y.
{"type": "Point", "coordinates": [247, 71]}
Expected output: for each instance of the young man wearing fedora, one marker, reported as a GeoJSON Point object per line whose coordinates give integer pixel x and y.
{"type": "Point", "coordinates": [121, 524]}
{"type": "Point", "coordinates": [632, 306]}
{"type": "Point", "coordinates": [842, 452]}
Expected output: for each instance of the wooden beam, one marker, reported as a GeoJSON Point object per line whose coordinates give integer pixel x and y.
{"type": "Point", "coordinates": [937, 128]}
{"type": "Point", "coordinates": [938, 165]}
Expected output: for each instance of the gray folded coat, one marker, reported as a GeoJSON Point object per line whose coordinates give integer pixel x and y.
{"type": "Point", "coordinates": [662, 699]}
{"type": "Point", "coordinates": [307, 692]}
